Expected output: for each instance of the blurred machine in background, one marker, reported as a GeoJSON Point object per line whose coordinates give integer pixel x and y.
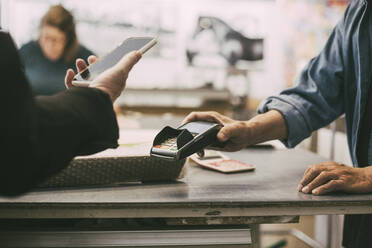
{"type": "Point", "coordinates": [215, 40]}
{"type": "Point", "coordinates": [231, 44]}
{"type": "Point", "coordinates": [225, 55]}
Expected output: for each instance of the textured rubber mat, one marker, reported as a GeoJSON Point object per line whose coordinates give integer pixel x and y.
{"type": "Point", "coordinates": [114, 170]}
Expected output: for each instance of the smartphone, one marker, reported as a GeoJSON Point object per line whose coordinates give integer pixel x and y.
{"type": "Point", "coordinates": [142, 44]}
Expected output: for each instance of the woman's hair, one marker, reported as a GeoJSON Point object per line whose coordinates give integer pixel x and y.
{"type": "Point", "coordinates": [59, 17]}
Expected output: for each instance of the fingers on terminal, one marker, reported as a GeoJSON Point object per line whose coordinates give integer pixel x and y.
{"type": "Point", "coordinates": [209, 116]}
{"type": "Point", "coordinates": [190, 117]}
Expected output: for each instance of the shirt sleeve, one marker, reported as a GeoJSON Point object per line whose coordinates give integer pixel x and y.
{"type": "Point", "coordinates": [39, 136]}
{"type": "Point", "coordinates": [317, 98]}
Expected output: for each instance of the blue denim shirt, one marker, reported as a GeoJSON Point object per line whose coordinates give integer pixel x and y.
{"type": "Point", "coordinates": [333, 83]}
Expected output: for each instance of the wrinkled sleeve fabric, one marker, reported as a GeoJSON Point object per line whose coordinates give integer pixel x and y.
{"type": "Point", "coordinates": [41, 135]}
{"type": "Point", "coordinates": [317, 98]}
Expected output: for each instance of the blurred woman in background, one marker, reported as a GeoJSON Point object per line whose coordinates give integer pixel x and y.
{"type": "Point", "coordinates": [47, 59]}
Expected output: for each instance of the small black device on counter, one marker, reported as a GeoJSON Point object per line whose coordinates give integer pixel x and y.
{"type": "Point", "coordinates": [179, 143]}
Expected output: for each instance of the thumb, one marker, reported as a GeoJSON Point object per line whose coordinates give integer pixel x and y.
{"type": "Point", "coordinates": [128, 61]}
{"type": "Point", "coordinates": [224, 134]}
{"type": "Point", "coordinates": [229, 131]}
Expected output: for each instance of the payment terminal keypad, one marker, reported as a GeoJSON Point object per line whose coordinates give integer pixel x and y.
{"type": "Point", "coordinates": [179, 143]}
{"type": "Point", "coordinates": [170, 144]}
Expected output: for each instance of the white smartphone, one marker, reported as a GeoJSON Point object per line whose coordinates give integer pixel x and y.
{"type": "Point", "coordinates": [142, 44]}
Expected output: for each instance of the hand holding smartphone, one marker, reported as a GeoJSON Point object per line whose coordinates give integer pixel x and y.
{"type": "Point", "coordinates": [142, 44]}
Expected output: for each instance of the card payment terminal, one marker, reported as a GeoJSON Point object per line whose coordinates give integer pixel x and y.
{"type": "Point", "coordinates": [179, 143]}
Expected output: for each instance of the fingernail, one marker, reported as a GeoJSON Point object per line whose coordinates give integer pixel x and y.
{"type": "Point", "coordinates": [305, 189]}
{"type": "Point", "coordinates": [300, 186]}
{"type": "Point", "coordinates": [315, 192]}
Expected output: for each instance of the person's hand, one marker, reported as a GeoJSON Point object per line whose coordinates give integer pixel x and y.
{"type": "Point", "coordinates": [238, 134]}
{"type": "Point", "coordinates": [234, 133]}
{"type": "Point", "coordinates": [113, 80]}
{"type": "Point", "coordinates": [330, 177]}
{"type": "Point", "coordinates": [80, 65]}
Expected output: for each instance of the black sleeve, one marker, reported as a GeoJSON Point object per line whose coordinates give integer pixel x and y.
{"type": "Point", "coordinates": [41, 135]}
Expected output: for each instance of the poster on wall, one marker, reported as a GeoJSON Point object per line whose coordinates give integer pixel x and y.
{"type": "Point", "coordinates": [306, 27]}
